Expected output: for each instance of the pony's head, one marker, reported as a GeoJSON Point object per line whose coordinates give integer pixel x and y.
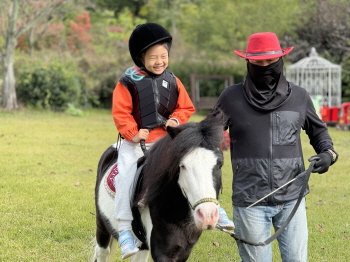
{"type": "Point", "coordinates": [191, 156]}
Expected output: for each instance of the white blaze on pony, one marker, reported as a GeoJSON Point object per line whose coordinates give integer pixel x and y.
{"type": "Point", "coordinates": [196, 181]}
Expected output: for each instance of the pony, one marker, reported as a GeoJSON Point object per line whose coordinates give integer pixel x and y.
{"type": "Point", "coordinates": [182, 177]}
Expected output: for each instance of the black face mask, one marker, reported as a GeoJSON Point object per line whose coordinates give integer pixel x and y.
{"type": "Point", "coordinates": [265, 77]}
{"type": "Point", "coordinates": [266, 88]}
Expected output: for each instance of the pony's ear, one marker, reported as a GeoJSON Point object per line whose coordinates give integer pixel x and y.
{"type": "Point", "coordinates": [173, 131]}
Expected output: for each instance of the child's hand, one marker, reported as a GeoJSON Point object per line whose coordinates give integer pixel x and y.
{"type": "Point", "coordinates": [142, 134]}
{"type": "Point", "coordinates": [171, 122]}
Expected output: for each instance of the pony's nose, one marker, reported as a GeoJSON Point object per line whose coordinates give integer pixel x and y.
{"type": "Point", "coordinates": [206, 216]}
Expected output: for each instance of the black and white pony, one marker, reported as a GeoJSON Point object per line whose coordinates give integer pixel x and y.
{"type": "Point", "coordinates": [182, 176]}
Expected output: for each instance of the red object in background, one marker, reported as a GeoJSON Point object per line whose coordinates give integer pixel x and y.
{"type": "Point", "coordinates": [345, 113]}
{"type": "Point", "coordinates": [325, 112]}
{"type": "Point", "coordinates": [335, 114]}
{"type": "Point", "coordinates": [225, 144]}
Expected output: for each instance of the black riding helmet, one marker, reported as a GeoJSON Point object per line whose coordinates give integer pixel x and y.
{"type": "Point", "coordinates": [145, 36]}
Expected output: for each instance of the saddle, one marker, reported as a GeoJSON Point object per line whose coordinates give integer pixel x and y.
{"type": "Point", "coordinates": [109, 180]}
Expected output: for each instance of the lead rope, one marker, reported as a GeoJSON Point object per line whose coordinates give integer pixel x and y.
{"type": "Point", "coordinates": [304, 175]}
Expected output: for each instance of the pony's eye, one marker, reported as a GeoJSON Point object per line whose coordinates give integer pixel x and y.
{"type": "Point", "coordinates": [182, 166]}
{"type": "Point", "coordinates": [220, 164]}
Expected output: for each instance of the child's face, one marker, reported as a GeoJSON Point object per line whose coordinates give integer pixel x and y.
{"type": "Point", "coordinates": [156, 59]}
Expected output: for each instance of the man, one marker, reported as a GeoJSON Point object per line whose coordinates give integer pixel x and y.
{"type": "Point", "coordinates": [265, 116]}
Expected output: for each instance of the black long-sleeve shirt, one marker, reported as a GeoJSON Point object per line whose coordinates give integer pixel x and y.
{"type": "Point", "coordinates": [265, 147]}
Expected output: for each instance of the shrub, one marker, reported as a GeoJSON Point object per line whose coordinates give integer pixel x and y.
{"type": "Point", "coordinates": [52, 87]}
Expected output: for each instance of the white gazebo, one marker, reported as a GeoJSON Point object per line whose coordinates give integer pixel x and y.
{"type": "Point", "coordinates": [320, 77]}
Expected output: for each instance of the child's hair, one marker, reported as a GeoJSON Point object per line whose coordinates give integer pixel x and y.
{"type": "Point", "coordinates": [165, 44]}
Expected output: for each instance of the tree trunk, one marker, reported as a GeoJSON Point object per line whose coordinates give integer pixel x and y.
{"type": "Point", "coordinates": [9, 89]}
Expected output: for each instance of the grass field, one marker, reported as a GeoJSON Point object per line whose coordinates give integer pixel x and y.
{"type": "Point", "coordinates": [48, 165]}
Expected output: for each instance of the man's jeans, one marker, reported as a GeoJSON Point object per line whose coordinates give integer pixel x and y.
{"type": "Point", "coordinates": [254, 225]}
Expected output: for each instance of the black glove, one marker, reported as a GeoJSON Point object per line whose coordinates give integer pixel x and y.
{"type": "Point", "coordinates": [323, 161]}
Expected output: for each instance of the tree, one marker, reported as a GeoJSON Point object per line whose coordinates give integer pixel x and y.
{"type": "Point", "coordinates": [117, 6]}
{"type": "Point", "coordinates": [324, 24]}
{"type": "Point", "coordinates": [79, 32]}
{"type": "Point", "coordinates": [16, 18]}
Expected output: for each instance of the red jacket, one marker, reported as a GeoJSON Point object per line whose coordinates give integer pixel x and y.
{"type": "Point", "coordinates": [125, 123]}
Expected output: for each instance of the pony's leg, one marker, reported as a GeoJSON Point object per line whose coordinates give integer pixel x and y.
{"type": "Point", "coordinates": [103, 242]}
{"type": "Point", "coordinates": [141, 256]}
{"type": "Point", "coordinates": [101, 253]}
{"type": "Point", "coordinates": [106, 226]}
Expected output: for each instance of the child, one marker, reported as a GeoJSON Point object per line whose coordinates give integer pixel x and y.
{"type": "Point", "coordinates": [147, 99]}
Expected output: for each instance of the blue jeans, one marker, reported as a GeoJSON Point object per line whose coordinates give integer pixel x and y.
{"type": "Point", "coordinates": [254, 224]}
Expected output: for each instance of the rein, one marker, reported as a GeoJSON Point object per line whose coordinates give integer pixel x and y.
{"type": "Point", "coordinates": [143, 146]}
{"type": "Point", "coordinates": [305, 176]}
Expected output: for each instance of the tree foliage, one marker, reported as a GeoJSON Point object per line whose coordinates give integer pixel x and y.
{"type": "Point", "coordinates": [50, 87]}
{"type": "Point", "coordinates": [16, 18]}
{"type": "Point", "coordinates": [221, 26]}
{"type": "Point", "coordinates": [205, 33]}
{"type": "Point", "coordinates": [79, 36]}
{"type": "Point", "coordinates": [325, 25]}
{"type": "Point", "coordinates": [118, 6]}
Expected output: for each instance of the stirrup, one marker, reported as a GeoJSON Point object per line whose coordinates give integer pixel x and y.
{"type": "Point", "coordinates": [224, 222]}
{"type": "Point", "coordinates": [128, 244]}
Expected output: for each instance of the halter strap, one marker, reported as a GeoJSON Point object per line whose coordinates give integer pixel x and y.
{"type": "Point", "coordinates": [208, 199]}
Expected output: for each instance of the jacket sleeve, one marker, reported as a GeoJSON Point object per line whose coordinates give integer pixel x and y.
{"type": "Point", "coordinates": [184, 107]}
{"type": "Point", "coordinates": [316, 130]}
{"type": "Point", "coordinates": [122, 112]}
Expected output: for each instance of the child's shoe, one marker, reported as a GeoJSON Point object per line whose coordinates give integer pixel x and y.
{"type": "Point", "coordinates": [128, 244]}
{"type": "Point", "coordinates": [224, 222]}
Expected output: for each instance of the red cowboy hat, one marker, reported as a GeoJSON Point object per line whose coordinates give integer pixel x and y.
{"type": "Point", "coordinates": [263, 46]}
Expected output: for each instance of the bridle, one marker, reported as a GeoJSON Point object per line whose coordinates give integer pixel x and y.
{"type": "Point", "coordinates": [304, 176]}
{"type": "Point", "coordinates": [208, 199]}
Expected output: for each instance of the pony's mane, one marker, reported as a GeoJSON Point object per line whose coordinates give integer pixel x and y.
{"type": "Point", "coordinates": [163, 159]}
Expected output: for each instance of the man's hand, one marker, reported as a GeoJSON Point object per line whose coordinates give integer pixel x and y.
{"type": "Point", "coordinates": [323, 161]}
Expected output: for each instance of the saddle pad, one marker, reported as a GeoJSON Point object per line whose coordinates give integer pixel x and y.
{"type": "Point", "coordinates": [109, 180]}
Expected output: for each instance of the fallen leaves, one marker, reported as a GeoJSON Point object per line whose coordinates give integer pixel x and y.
{"type": "Point", "coordinates": [320, 202]}
{"type": "Point", "coordinates": [320, 228]}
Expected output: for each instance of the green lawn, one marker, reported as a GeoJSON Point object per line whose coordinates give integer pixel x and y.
{"type": "Point", "coordinates": [47, 168]}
